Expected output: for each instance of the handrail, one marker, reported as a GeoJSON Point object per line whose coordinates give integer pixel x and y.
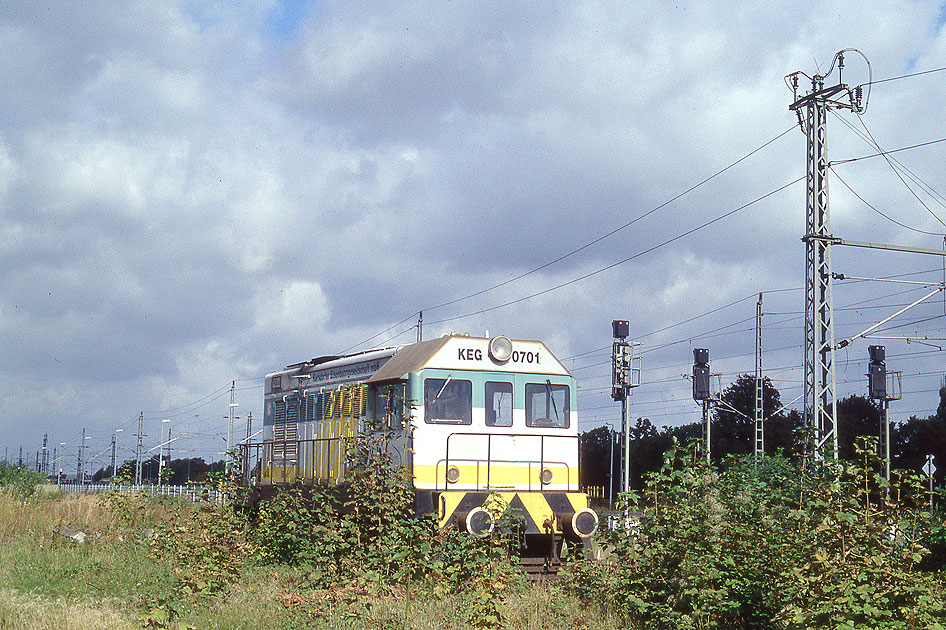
{"type": "Point", "coordinates": [305, 450]}
{"type": "Point", "coordinates": [489, 460]}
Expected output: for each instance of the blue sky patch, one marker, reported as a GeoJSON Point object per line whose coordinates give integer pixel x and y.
{"type": "Point", "coordinates": [283, 21]}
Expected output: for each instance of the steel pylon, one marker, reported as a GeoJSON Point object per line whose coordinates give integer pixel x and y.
{"type": "Point", "coordinates": [820, 381]}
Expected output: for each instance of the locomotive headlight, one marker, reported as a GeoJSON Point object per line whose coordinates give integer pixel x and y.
{"type": "Point", "coordinates": [478, 522]}
{"type": "Point", "coordinates": [579, 524]}
{"type": "Point", "coordinates": [546, 476]}
{"type": "Point", "coordinates": [584, 522]}
{"type": "Point", "coordinates": [453, 474]}
{"type": "Point", "coordinates": [500, 348]}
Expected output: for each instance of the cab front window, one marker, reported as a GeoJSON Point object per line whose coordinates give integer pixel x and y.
{"type": "Point", "coordinates": [498, 404]}
{"type": "Point", "coordinates": [547, 405]}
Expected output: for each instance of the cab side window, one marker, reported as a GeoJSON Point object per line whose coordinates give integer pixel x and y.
{"type": "Point", "coordinates": [448, 401]}
{"type": "Point", "coordinates": [498, 404]}
{"type": "Point", "coordinates": [386, 406]}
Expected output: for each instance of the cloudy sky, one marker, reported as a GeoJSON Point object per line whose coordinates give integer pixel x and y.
{"type": "Point", "coordinates": [195, 193]}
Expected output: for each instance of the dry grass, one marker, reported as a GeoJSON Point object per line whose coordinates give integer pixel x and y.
{"type": "Point", "coordinates": [276, 600]}
{"type": "Point", "coordinates": [49, 581]}
{"type": "Point", "coordinates": [49, 511]}
{"type": "Point", "coordinates": [22, 611]}
{"type": "Point", "coordinates": [39, 516]}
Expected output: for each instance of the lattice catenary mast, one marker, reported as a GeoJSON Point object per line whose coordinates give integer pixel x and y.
{"type": "Point", "coordinates": [812, 110]}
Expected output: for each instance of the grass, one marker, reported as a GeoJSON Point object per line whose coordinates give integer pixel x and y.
{"type": "Point", "coordinates": [269, 598]}
{"type": "Point", "coordinates": [26, 611]}
{"type": "Point", "coordinates": [113, 580]}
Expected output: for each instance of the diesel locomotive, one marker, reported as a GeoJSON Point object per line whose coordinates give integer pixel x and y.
{"type": "Point", "coordinates": [481, 417]}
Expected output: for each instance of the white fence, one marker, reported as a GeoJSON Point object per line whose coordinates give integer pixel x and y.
{"type": "Point", "coordinates": [193, 493]}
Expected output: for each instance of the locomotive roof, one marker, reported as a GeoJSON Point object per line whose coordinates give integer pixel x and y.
{"type": "Point", "coordinates": [469, 353]}
{"type": "Point", "coordinates": [450, 352]}
{"type": "Point", "coordinates": [408, 359]}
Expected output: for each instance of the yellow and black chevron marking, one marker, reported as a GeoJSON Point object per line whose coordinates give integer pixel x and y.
{"type": "Point", "coordinates": [539, 509]}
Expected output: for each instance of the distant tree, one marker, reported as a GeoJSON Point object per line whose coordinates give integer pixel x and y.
{"type": "Point", "coordinates": [781, 433]}
{"type": "Point", "coordinates": [857, 416]}
{"type": "Point", "coordinates": [647, 448]}
{"type": "Point", "coordinates": [733, 433]}
{"type": "Point", "coordinates": [916, 438]}
{"type": "Point", "coordinates": [186, 470]}
{"type": "Point", "coordinates": [596, 453]}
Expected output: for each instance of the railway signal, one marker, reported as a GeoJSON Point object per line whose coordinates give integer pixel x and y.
{"type": "Point", "coordinates": [625, 375]}
{"type": "Point", "coordinates": [701, 391]}
{"type": "Point", "coordinates": [701, 374]}
{"type": "Point", "coordinates": [877, 373]}
{"type": "Point", "coordinates": [877, 390]}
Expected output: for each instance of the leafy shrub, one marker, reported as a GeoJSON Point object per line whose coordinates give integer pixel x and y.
{"type": "Point", "coordinates": [20, 480]}
{"type": "Point", "coordinates": [773, 546]}
{"type": "Point", "coordinates": [365, 533]}
{"type": "Point", "coordinates": [860, 559]}
{"type": "Point", "coordinates": [206, 546]}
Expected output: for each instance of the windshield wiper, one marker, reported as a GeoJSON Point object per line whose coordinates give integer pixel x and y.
{"type": "Point", "coordinates": [548, 386]}
{"type": "Point", "coordinates": [445, 383]}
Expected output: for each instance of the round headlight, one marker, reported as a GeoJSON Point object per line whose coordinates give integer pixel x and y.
{"type": "Point", "coordinates": [584, 522]}
{"type": "Point", "coordinates": [479, 522]}
{"type": "Point", "coordinates": [500, 348]}
{"type": "Point", "coordinates": [453, 474]}
{"type": "Point", "coordinates": [546, 476]}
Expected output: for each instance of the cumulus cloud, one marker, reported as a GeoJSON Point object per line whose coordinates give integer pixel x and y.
{"type": "Point", "coordinates": [192, 195]}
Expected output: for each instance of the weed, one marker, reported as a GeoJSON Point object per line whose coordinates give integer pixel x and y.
{"type": "Point", "coordinates": [20, 480]}
{"type": "Point", "coordinates": [748, 547]}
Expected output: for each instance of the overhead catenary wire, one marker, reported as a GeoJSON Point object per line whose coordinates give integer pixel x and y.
{"type": "Point", "coordinates": [860, 305]}
{"type": "Point", "coordinates": [565, 284]}
{"type": "Point", "coordinates": [566, 255]}
{"type": "Point", "coordinates": [903, 76]}
{"type": "Point", "coordinates": [890, 163]}
{"type": "Point", "coordinates": [623, 261]}
{"type": "Point", "coordinates": [875, 209]}
{"type": "Point", "coordinates": [617, 229]}
{"type": "Point", "coordinates": [184, 409]}
{"type": "Point", "coordinates": [888, 152]}
{"type": "Point", "coordinates": [889, 155]}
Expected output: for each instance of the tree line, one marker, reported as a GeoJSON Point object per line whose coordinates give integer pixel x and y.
{"type": "Point", "coordinates": [175, 472]}
{"type": "Point", "coordinates": [733, 433]}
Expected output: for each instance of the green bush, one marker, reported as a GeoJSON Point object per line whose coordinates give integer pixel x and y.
{"type": "Point", "coordinates": [20, 480]}
{"type": "Point", "coordinates": [365, 533]}
{"type": "Point", "coordinates": [769, 546]}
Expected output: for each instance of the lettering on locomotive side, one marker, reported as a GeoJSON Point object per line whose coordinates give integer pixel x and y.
{"type": "Point", "coordinates": [470, 354]}
{"type": "Point", "coordinates": [518, 356]}
{"type": "Point", "coordinates": [524, 357]}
